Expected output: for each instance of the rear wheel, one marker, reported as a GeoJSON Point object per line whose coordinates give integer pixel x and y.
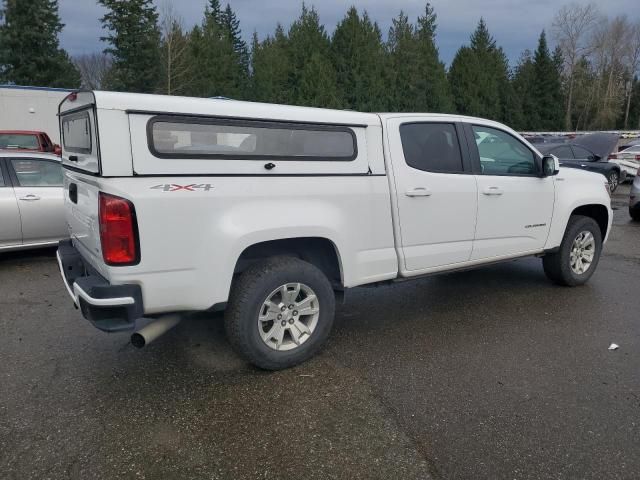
{"type": "Point", "coordinates": [280, 312]}
{"type": "Point", "coordinates": [635, 213]}
{"type": "Point", "coordinates": [613, 178]}
{"type": "Point", "coordinates": [578, 255]}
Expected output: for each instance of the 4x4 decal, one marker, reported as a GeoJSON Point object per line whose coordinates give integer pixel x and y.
{"type": "Point", "coordinates": [174, 187]}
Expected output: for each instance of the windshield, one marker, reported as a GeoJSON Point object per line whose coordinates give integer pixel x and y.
{"type": "Point", "coordinates": [19, 141]}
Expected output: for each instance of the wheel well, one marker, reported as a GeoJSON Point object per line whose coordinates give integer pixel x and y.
{"type": "Point", "coordinates": [598, 212]}
{"type": "Point", "coordinates": [320, 252]}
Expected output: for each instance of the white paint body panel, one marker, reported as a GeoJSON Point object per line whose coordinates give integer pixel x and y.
{"type": "Point", "coordinates": [190, 241]}
{"type": "Point", "coordinates": [437, 224]}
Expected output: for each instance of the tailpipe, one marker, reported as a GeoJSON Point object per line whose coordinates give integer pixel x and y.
{"type": "Point", "coordinates": [150, 332]}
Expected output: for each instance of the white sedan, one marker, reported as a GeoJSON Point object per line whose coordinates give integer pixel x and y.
{"type": "Point", "coordinates": [628, 159]}
{"type": "Point", "coordinates": [31, 200]}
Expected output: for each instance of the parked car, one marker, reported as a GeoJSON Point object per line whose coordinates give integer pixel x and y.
{"type": "Point", "coordinates": [574, 155]}
{"type": "Point", "coordinates": [627, 159]}
{"type": "Point", "coordinates": [22, 140]}
{"type": "Point", "coordinates": [270, 211]}
{"type": "Point", "coordinates": [31, 200]}
{"type": "Point", "coordinates": [634, 198]}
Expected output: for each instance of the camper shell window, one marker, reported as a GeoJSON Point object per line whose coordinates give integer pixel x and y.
{"type": "Point", "coordinates": [76, 132]}
{"type": "Point", "coordinates": [195, 137]}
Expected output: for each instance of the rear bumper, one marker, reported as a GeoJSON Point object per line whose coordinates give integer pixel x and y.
{"type": "Point", "coordinates": [111, 308]}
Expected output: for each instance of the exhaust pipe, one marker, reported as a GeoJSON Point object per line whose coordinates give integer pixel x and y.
{"type": "Point", "coordinates": [156, 328]}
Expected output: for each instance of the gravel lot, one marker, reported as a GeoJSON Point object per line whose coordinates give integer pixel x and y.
{"type": "Point", "coordinates": [492, 373]}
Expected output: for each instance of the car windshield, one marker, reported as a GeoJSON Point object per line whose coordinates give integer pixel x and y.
{"type": "Point", "coordinates": [632, 149]}
{"type": "Point", "coordinates": [18, 140]}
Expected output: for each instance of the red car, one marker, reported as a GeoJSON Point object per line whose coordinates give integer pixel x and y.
{"type": "Point", "coordinates": [24, 140]}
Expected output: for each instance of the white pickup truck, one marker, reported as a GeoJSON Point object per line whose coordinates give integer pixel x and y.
{"type": "Point", "coordinates": [268, 212]}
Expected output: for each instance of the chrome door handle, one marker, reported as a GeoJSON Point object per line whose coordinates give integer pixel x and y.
{"type": "Point", "coordinates": [30, 198]}
{"type": "Point", "coordinates": [418, 192]}
{"type": "Point", "coordinates": [492, 191]}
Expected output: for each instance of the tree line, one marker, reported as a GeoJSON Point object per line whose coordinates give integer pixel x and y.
{"type": "Point", "coordinates": [588, 81]}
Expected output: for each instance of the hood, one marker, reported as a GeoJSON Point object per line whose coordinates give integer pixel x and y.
{"type": "Point", "coordinates": [602, 144]}
{"type": "Point", "coordinates": [580, 175]}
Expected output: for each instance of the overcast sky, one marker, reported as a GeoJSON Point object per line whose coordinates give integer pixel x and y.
{"type": "Point", "coordinates": [515, 24]}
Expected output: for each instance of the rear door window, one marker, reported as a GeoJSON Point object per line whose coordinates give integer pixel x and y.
{"type": "Point", "coordinates": [32, 172]}
{"type": "Point", "coordinates": [563, 153]}
{"type": "Point", "coordinates": [76, 132]}
{"type": "Point", "coordinates": [582, 153]}
{"type": "Point", "coordinates": [431, 147]}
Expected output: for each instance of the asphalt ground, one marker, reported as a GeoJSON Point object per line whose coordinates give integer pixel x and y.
{"type": "Point", "coordinates": [486, 374]}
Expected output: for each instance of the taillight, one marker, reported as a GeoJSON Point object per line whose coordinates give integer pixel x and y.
{"type": "Point", "coordinates": [613, 156]}
{"type": "Point", "coordinates": [118, 230]}
{"type": "Point", "coordinates": [637, 158]}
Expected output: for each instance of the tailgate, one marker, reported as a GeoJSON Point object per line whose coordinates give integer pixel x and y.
{"type": "Point", "coordinates": [81, 211]}
{"type": "Point", "coordinates": [78, 132]}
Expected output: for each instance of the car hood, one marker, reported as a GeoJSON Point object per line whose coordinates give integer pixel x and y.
{"type": "Point", "coordinates": [580, 175]}
{"type": "Point", "coordinates": [602, 144]}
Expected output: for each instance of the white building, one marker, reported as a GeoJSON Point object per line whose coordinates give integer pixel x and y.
{"type": "Point", "coordinates": [31, 108]}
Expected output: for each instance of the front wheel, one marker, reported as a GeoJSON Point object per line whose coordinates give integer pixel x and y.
{"type": "Point", "coordinates": [280, 312]}
{"type": "Point", "coordinates": [577, 258]}
{"type": "Point", "coordinates": [614, 179]}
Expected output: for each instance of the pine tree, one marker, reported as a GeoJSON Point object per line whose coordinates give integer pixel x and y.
{"type": "Point", "coordinates": [221, 70]}
{"type": "Point", "coordinates": [270, 68]}
{"type": "Point", "coordinates": [309, 55]}
{"type": "Point", "coordinates": [134, 39]}
{"type": "Point", "coordinates": [359, 59]}
{"type": "Point", "coordinates": [523, 86]}
{"type": "Point", "coordinates": [435, 95]}
{"type": "Point", "coordinates": [479, 77]}
{"type": "Point", "coordinates": [403, 65]}
{"type": "Point", "coordinates": [317, 83]}
{"type": "Point", "coordinates": [547, 88]}
{"type": "Point", "coordinates": [418, 79]}
{"type": "Point", "coordinates": [232, 26]}
{"type": "Point", "coordinates": [30, 52]}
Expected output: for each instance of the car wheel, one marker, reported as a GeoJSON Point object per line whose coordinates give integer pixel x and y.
{"type": "Point", "coordinates": [613, 178]}
{"type": "Point", "coordinates": [280, 312]}
{"type": "Point", "coordinates": [623, 177]}
{"type": "Point", "coordinates": [635, 213]}
{"type": "Point", "coordinates": [578, 255]}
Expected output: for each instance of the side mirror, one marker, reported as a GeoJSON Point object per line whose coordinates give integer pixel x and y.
{"type": "Point", "coordinates": [550, 166]}
{"type": "Point", "coordinates": [596, 158]}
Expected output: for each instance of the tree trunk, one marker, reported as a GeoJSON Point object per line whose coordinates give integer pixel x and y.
{"type": "Point", "coordinates": [626, 112]}
{"type": "Point", "coordinates": [567, 119]}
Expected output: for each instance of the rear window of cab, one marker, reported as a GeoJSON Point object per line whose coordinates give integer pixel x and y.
{"type": "Point", "coordinates": [194, 137]}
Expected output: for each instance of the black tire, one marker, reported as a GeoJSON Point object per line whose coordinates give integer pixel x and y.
{"type": "Point", "coordinates": [635, 214]}
{"type": "Point", "coordinates": [557, 265]}
{"type": "Point", "coordinates": [613, 177]}
{"type": "Point", "coordinates": [252, 288]}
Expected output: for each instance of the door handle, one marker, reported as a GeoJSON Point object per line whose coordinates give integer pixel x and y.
{"type": "Point", "coordinates": [30, 198]}
{"type": "Point", "coordinates": [492, 191]}
{"type": "Point", "coordinates": [418, 192]}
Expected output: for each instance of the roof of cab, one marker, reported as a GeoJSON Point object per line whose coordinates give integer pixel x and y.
{"type": "Point", "coordinates": [165, 104]}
